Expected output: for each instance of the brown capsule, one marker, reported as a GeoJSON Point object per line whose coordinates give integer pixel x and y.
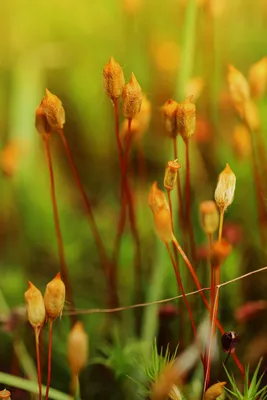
{"type": "Point", "coordinates": [186, 118]}
{"type": "Point", "coordinates": [166, 56]}
{"type": "Point", "coordinates": [225, 190]}
{"type": "Point", "coordinates": [209, 216]}
{"type": "Point", "coordinates": [156, 198]}
{"type": "Point", "coordinates": [219, 252]}
{"type": "Point", "coordinates": [132, 7]}
{"type": "Point", "coordinates": [35, 306]}
{"type": "Point", "coordinates": [113, 79]}
{"type": "Point", "coordinates": [238, 86]}
{"type": "Point", "coordinates": [144, 115]}
{"type": "Point", "coordinates": [169, 111]}
{"type": "Point", "coordinates": [163, 224]}
{"type": "Point", "coordinates": [9, 158]}
{"type": "Point", "coordinates": [194, 87]}
{"type": "Point", "coordinates": [258, 78]}
{"type": "Point", "coordinates": [77, 348]}
{"type": "Point", "coordinates": [5, 394]}
{"type": "Point", "coordinates": [132, 98]}
{"type": "Point", "coordinates": [241, 141]}
{"type": "Point", "coordinates": [54, 297]}
{"type": "Point", "coordinates": [214, 391]}
{"type": "Point", "coordinates": [171, 173]}
{"type": "Point", "coordinates": [250, 114]}
{"type": "Point", "coordinates": [50, 114]}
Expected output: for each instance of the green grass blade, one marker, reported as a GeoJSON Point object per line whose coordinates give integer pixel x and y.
{"type": "Point", "coordinates": [32, 387]}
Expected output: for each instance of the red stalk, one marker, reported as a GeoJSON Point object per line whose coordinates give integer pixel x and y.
{"type": "Point", "coordinates": [194, 276]}
{"type": "Point", "coordinates": [127, 196]}
{"type": "Point", "coordinates": [49, 358]}
{"type": "Point", "coordinates": [179, 189]}
{"type": "Point", "coordinates": [63, 265]}
{"type": "Point", "coordinates": [180, 285]}
{"type": "Point", "coordinates": [108, 270]}
{"type": "Point", "coordinates": [38, 361]}
{"type": "Point", "coordinates": [188, 202]}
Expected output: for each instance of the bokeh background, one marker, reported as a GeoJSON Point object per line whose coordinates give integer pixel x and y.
{"type": "Point", "coordinates": [63, 46]}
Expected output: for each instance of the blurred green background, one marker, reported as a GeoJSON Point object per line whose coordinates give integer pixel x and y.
{"type": "Point", "coordinates": [63, 46]}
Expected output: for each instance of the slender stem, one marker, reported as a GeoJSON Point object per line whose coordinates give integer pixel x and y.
{"type": "Point", "coordinates": [86, 202]}
{"type": "Point", "coordinates": [122, 219]}
{"type": "Point", "coordinates": [171, 212]}
{"type": "Point", "coordinates": [259, 190]}
{"type": "Point", "coordinates": [215, 282]}
{"type": "Point", "coordinates": [221, 225]}
{"type": "Point", "coordinates": [141, 163]}
{"type": "Point", "coordinates": [188, 202]}
{"type": "Point", "coordinates": [194, 276]}
{"type": "Point", "coordinates": [135, 234]}
{"type": "Point", "coordinates": [182, 326]}
{"type": "Point", "coordinates": [38, 361]}
{"type": "Point", "coordinates": [179, 188]}
{"type": "Point", "coordinates": [127, 196]}
{"type": "Point", "coordinates": [108, 269]}
{"type": "Point", "coordinates": [212, 295]}
{"type": "Point", "coordinates": [49, 358]}
{"type": "Point", "coordinates": [180, 285]}
{"type": "Point", "coordinates": [210, 346]}
{"type": "Point", "coordinates": [63, 264]}
{"type": "Point", "coordinates": [117, 132]}
{"type": "Point", "coordinates": [170, 206]}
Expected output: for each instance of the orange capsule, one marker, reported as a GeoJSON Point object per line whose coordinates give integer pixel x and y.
{"type": "Point", "coordinates": [186, 118]}
{"type": "Point", "coordinates": [238, 85]}
{"type": "Point", "coordinates": [113, 79]}
{"type": "Point", "coordinates": [50, 114]}
{"type": "Point", "coordinates": [225, 190]}
{"type": "Point", "coordinates": [54, 297]}
{"type": "Point", "coordinates": [5, 394]}
{"type": "Point", "coordinates": [132, 98]}
{"type": "Point", "coordinates": [77, 348]}
{"type": "Point", "coordinates": [163, 224]}
{"type": "Point", "coordinates": [156, 198]}
{"type": "Point", "coordinates": [258, 78]}
{"type": "Point", "coordinates": [209, 216]}
{"type": "Point", "coordinates": [35, 306]}
{"type": "Point", "coordinates": [171, 173]}
{"type": "Point", "coordinates": [219, 252]}
{"type": "Point", "coordinates": [169, 112]}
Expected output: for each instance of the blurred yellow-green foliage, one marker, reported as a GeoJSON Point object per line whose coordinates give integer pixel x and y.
{"type": "Point", "coordinates": [63, 46]}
